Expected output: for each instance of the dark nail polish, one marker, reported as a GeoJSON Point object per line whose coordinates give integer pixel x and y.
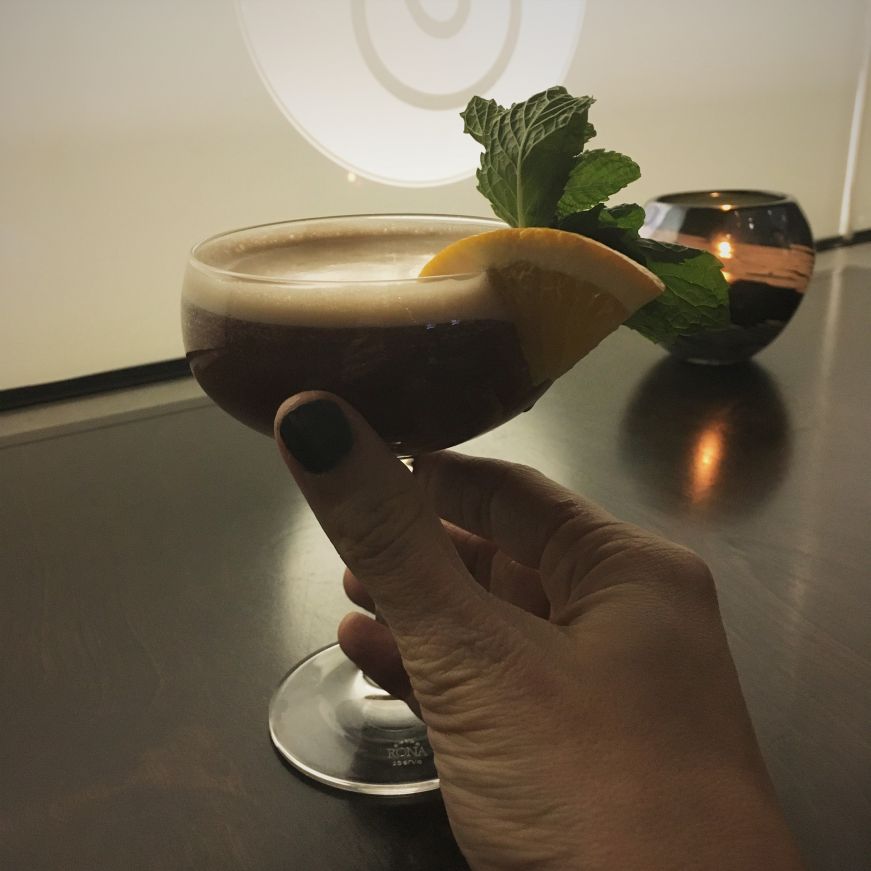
{"type": "Point", "coordinates": [317, 434]}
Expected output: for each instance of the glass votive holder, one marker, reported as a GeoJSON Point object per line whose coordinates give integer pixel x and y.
{"type": "Point", "coordinates": [766, 247]}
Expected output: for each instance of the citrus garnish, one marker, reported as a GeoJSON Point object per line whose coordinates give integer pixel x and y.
{"type": "Point", "coordinates": [563, 292]}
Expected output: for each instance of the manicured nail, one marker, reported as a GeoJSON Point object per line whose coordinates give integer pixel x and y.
{"type": "Point", "coordinates": [317, 434]}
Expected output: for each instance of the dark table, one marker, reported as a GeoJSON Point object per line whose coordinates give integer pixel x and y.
{"type": "Point", "coordinates": [159, 574]}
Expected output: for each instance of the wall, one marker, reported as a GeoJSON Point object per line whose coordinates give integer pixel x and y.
{"type": "Point", "coordinates": [131, 130]}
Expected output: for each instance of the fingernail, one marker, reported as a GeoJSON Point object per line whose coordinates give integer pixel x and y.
{"type": "Point", "coordinates": [317, 434]}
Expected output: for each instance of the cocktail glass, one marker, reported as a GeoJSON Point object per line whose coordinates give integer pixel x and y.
{"type": "Point", "coordinates": [335, 304]}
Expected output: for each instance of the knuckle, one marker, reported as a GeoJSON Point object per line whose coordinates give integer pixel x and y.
{"type": "Point", "coordinates": [626, 548]}
{"type": "Point", "coordinates": [686, 572]}
{"type": "Point", "coordinates": [574, 540]}
{"type": "Point", "coordinates": [690, 566]}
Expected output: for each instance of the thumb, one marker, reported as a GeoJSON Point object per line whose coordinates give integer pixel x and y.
{"type": "Point", "coordinates": [380, 522]}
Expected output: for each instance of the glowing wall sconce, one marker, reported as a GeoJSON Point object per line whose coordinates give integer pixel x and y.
{"type": "Point", "coordinates": [377, 86]}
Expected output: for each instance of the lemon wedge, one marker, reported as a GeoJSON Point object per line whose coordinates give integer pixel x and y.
{"type": "Point", "coordinates": [564, 292]}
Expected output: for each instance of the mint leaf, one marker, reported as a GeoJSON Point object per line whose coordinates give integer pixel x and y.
{"type": "Point", "coordinates": [628, 216]}
{"type": "Point", "coordinates": [617, 227]}
{"type": "Point", "coordinates": [479, 117]}
{"type": "Point", "coordinates": [596, 176]}
{"type": "Point", "coordinates": [529, 151]}
{"type": "Point", "coordinates": [696, 295]}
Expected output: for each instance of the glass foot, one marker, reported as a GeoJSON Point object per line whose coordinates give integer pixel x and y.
{"type": "Point", "coordinates": [329, 722]}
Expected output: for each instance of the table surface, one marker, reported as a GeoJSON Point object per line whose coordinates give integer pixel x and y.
{"type": "Point", "coordinates": [159, 574]}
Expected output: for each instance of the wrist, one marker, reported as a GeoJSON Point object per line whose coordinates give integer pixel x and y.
{"type": "Point", "coordinates": [705, 818]}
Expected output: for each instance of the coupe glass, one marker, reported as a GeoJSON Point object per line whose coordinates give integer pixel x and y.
{"type": "Point", "coordinates": [335, 304]}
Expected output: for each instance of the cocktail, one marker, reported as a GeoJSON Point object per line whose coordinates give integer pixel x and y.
{"type": "Point", "coordinates": [437, 329]}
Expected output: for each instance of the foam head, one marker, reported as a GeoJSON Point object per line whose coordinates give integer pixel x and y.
{"type": "Point", "coordinates": [339, 271]}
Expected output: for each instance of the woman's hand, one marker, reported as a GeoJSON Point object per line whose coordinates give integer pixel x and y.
{"type": "Point", "coordinates": [572, 670]}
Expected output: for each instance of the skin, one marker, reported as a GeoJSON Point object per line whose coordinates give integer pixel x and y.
{"type": "Point", "coordinates": [572, 669]}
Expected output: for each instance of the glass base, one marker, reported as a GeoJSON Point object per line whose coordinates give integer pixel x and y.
{"type": "Point", "coordinates": [332, 724]}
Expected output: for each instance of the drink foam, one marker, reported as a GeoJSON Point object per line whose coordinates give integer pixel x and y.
{"type": "Point", "coordinates": [338, 274]}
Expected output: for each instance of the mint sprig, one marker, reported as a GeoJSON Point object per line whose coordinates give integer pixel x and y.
{"type": "Point", "coordinates": [535, 173]}
{"type": "Point", "coordinates": [529, 152]}
{"type": "Point", "coordinates": [596, 175]}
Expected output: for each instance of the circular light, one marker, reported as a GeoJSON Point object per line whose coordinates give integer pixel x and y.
{"type": "Point", "coordinates": [378, 86]}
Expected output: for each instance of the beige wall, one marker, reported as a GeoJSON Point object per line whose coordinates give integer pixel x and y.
{"type": "Point", "coordinates": [131, 130]}
{"type": "Point", "coordinates": [728, 93]}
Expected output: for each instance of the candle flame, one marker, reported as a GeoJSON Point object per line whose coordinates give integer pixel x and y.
{"type": "Point", "coordinates": [724, 249]}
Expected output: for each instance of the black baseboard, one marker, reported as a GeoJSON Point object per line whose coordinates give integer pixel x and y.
{"type": "Point", "coordinates": [102, 382]}
{"type": "Point", "coordinates": [166, 370]}
{"type": "Point", "coordinates": [830, 242]}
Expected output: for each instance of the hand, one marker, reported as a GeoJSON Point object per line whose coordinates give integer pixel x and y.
{"type": "Point", "coordinates": [572, 670]}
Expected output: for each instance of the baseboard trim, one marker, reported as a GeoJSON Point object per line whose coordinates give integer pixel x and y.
{"type": "Point", "coordinates": [101, 382]}
{"type": "Point", "coordinates": [830, 242]}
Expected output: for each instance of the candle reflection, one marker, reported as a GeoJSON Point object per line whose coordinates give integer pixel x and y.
{"type": "Point", "coordinates": [706, 441]}
{"type": "Point", "coordinates": [707, 462]}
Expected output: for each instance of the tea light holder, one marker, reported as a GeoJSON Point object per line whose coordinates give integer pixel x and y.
{"type": "Point", "coordinates": [766, 247]}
